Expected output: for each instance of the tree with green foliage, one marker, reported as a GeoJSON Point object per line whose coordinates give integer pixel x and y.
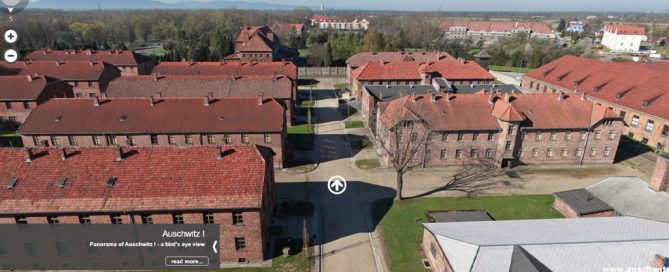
{"type": "Point", "coordinates": [327, 59]}
{"type": "Point", "coordinates": [561, 26]}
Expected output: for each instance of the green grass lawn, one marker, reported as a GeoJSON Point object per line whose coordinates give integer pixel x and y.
{"type": "Point", "coordinates": [361, 143]}
{"type": "Point", "coordinates": [368, 163]}
{"type": "Point", "coordinates": [339, 86]}
{"type": "Point", "coordinates": [8, 134]}
{"type": "Point", "coordinates": [401, 226]}
{"type": "Point", "coordinates": [354, 124]}
{"type": "Point", "coordinates": [301, 129]}
{"type": "Point", "coordinates": [307, 103]}
{"type": "Point", "coordinates": [509, 69]}
{"type": "Point", "coordinates": [304, 52]}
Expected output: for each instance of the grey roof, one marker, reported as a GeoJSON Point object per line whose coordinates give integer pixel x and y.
{"type": "Point", "coordinates": [475, 88]}
{"type": "Point", "coordinates": [482, 54]}
{"type": "Point", "coordinates": [523, 261]}
{"type": "Point", "coordinates": [489, 245]}
{"type": "Point", "coordinates": [392, 92]}
{"type": "Point", "coordinates": [460, 216]}
{"type": "Point", "coordinates": [442, 82]}
{"type": "Point", "coordinates": [631, 196]}
{"type": "Point", "coordinates": [583, 202]}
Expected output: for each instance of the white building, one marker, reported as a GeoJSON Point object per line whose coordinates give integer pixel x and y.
{"type": "Point", "coordinates": [626, 38]}
{"type": "Point", "coordinates": [324, 22]}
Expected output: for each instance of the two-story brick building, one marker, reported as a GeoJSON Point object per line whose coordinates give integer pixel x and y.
{"type": "Point", "coordinates": [87, 78]}
{"type": "Point", "coordinates": [152, 121]}
{"type": "Point", "coordinates": [20, 94]}
{"type": "Point", "coordinates": [230, 186]}
{"type": "Point", "coordinates": [127, 62]}
{"type": "Point", "coordinates": [259, 44]}
{"type": "Point", "coordinates": [363, 58]}
{"type": "Point", "coordinates": [501, 130]}
{"type": "Point", "coordinates": [415, 73]}
{"type": "Point", "coordinates": [638, 92]}
{"type": "Point", "coordinates": [278, 87]}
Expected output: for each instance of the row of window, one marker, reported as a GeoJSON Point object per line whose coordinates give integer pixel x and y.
{"type": "Point", "coordinates": [9, 106]}
{"type": "Point", "coordinates": [564, 152]}
{"type": "Point", "coordinates": [76, 83]}
{"type": "Point", "coordinates": [177, 218]}
{"type": "Point", "coordinates": [12, 119]}
{"type": "Point", "coordinates": [91, 95]}
{"type": "Point", "coordinates": [553, 136]}
{"type": "Point", "coordinates": [473, 153]}
{"type": "Point", "coordinates": [171, 139]}
{"type": "Point", "coordinates": [490, 136]}
{"type": "Point", "coordinates": [650, 124]}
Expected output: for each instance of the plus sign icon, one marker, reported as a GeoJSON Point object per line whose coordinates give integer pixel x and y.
{"type": "Point", "coordinates": [11, 36]}
{"type": "Point", "coordinates": [337, 185]}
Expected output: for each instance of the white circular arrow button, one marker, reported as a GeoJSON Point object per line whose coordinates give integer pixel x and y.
{"type": "Point", "coordinates": [337, 185]}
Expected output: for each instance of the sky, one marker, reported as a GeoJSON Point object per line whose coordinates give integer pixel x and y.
{"type": "Point", "coordinates": [478, 5]}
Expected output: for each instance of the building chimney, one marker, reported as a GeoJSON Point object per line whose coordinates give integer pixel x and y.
{"type": "Point", "coordinates": [219, 153]}
{"type": "Point", "coordinates": [63, 154]}
{"type": "Point", "coordinates": [560, 96]}
{"type": "Point", "coordinates": [491, 98]}
{"type": "Point", "coordinates": [155, 76]}
{"type": "Point", "coordinates": [96, 101]}
{"type": "Point", "coordinates": [583, 96]}
{"type": "Point", "coordinates": [159, 95]}
{"type": "Point", "coordinates": [207, 100]}
{"type": "Point", "coordinates": [461, 60]}
{"type": "Point", "coordinates": [119, 154]}
{"type": "Point", "coordinates": [30, 78]}
{"type": "Point", "coordinates": [660, 180]}
{"type": "Point", "coordinates": [152, 101]}
{"type": "Point", "coordinates": [433, 97]}
{"type": "Point", "coordinates": [448, 97]}
{"type": "Point", "coordinates": [507, 98]}
{"type": "Point", "coordinates": [29, 155]}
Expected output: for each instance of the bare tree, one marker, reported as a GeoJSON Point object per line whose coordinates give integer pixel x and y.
{"type": "Point", "coordinates": [405, 143]}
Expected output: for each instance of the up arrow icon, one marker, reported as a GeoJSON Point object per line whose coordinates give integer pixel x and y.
{"type": "Point", "coordinates": [337, 185]}
{"type": "Point", "coordinates": [10, 10]}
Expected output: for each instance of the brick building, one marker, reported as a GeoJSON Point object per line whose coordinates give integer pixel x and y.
{"type": "Point", "coordinates": [151, 121]}
{"type": "Point", "coordinates": [260, 44]}
{"type": "Point", "coordinates": [565, 244]}
{"type": "Point", "coordinates": [489, 32]}
{"type": "Point", "coordinates": [20, 94]}
{"type": "Point", "coordinates": [87, 78]}
{"type": "Point", "coordinates": [278, 87]}
{"type": "Point", "coordinates": [638, 92]}
{"type": "Point", "coordinates": [363, 58]}
{"type": "Point", "coordinates": [127, 62]}
{"type": "Point", "coordinates": [415, 73]}
{"type": "Point", "coordinates": [325, 22]}
{"type": "Point", "coordinates": [501, 130]}
{"type": "Point", "coordinates": [581, 203]}
{"type": "Point", "coordinates": [230, 186]}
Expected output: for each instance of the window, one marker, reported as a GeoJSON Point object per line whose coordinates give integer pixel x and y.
{"type": "Point", "coordinates": [147, 219]}
{"type": "Point", "coordinates": [96, 140]}
{"type": "Point", "coordinates": [665, 131]}
{"type": "Point", "coordinates": [178, 218]}
{"type": "Point", "coordinates": [26, 105]}
{"type": "Point", "coordinates": [112, 140]}
{"type": "Point", "coordinates": [650, 125]}
{"type": "Point", "coordinates": [79, 94]}
{"type": "Point", "coordinates": [210, 138]}
{"type": "Point", "coordinates": [90, 84]}
{"type": "Point", "coordinates": [458, 153]}
{"type": "Point", "coordinates": [460, 136]}
{"type": "Point", "coordinates": [635, 121]}
{"type": "Point", "coordinates": [188, 139]}
{"type": "Point", "coordinates": [240, 243]}
{"type": "Point", "coordinates": [564, 153]}
{"type": "Point", "coordinates": [171, 140]}
{"type": "Point", "coordinates": [567, 135]}
{"type": "Point", "coordinates": [474, 153]}
{"type": "Point", "coordinates": [443, 154]}
{"type": "Point", "coordinates": [607, 151]}
{"type": "Point", "coordinates": [549, 153]}
{"type": "Point", "coordinates": [475, 136]}
{"type": "Point", "coordinates": [488, 153]}
{"type": "Point", "coordinates": [54, 140]}
{"type": "Point", "coordinates": [72, 140]}
{"type": "Point", "coordinates": [521, 152]}
{"type": "Point", "coordinates": [84, 219]}
{"type": "Point", "coordinates": [245, 138]}
{"type": "Point", "coordinates": [433, 250]}
{"type": "Point", "coordinates": [511, 130]}
{"type": "Point", "coordinates": [208, 218]}
{"type": "Point", "coordinates": [21, 220]}
{"type": "Point", "coordinates": [227, 139]}
{"type": "Point", "coordinates": [598, 134]}
{"type": "Point", "coordinates": [91, 95]}
{"type": "Point", "coordinates": [129, 140]}
{"type": "Point", "coordinates": [52, 219]}
{"type": "Point", "coordinates": [444, 137]}
{"type": "Point", "coordinates": [8, 105]}
{"type": "Point", "coordinates": [116, 218]}
{"type": "Point", "coordinates": [154, 139]}
{"type": "Point", "coordinates": [612, 135]}
{"type": "Point", "coordinates": [644, 140]}
{"type": "Point", "coordinates": [593, 152]}
{"type": "Point", "coordinates": [13, 119]}
{"type": "Point", "coordinates": [538, 136]}
{"type": "Point", "coordinates": [583, 136]}
{"type": "Point", "coordinates": [507, 146]}
{"type": "Point", "coordinates": [237, 218]}
{"type": "Point", "coordinates": [535, 152]}
{"type": "Point", "coordinates": [622, 114]}
{"type": "Point", "coordinates": [523, 135]}
{"type": "Point", "coordinates": [491, 136]}
{"type": "Point", "coordinates": [579, 152]}
{"type": "Point", "coordinates": [268, 138]}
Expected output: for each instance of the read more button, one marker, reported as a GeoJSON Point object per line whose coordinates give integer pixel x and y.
{"type": "Point", "coordinates": [186, 261]}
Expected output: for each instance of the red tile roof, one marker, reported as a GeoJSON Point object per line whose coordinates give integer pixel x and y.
{"type": "Point", "coordinates": [624, 84]}
{"type": "Point", "coordinates": [621, 29]}
{"type": "Point", "coordinates": [279, 87]}
{"type": "Point", "coordinates": [486, 26]}
{"type": "Point", "coordinates": [113, 57]}
{"type": "Point", "coordinates": [411, 70]}
{"type": "Point", "coordinates": [462, 112]}
{"type": "Point", "coordinates": [363, 58]}
{"type": "Point", "coordinates": [148, 179]}
{"type": "Point", "coordinates": [25, 87]}
{"type": "Point", "coordinates": [63, 116]}
{"type": "Point", "coordinates": [256, 38]}
{"type": "Point", "coordinates": [66, 70]}
{"type": "Point", "coordinates": [227, 68]}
